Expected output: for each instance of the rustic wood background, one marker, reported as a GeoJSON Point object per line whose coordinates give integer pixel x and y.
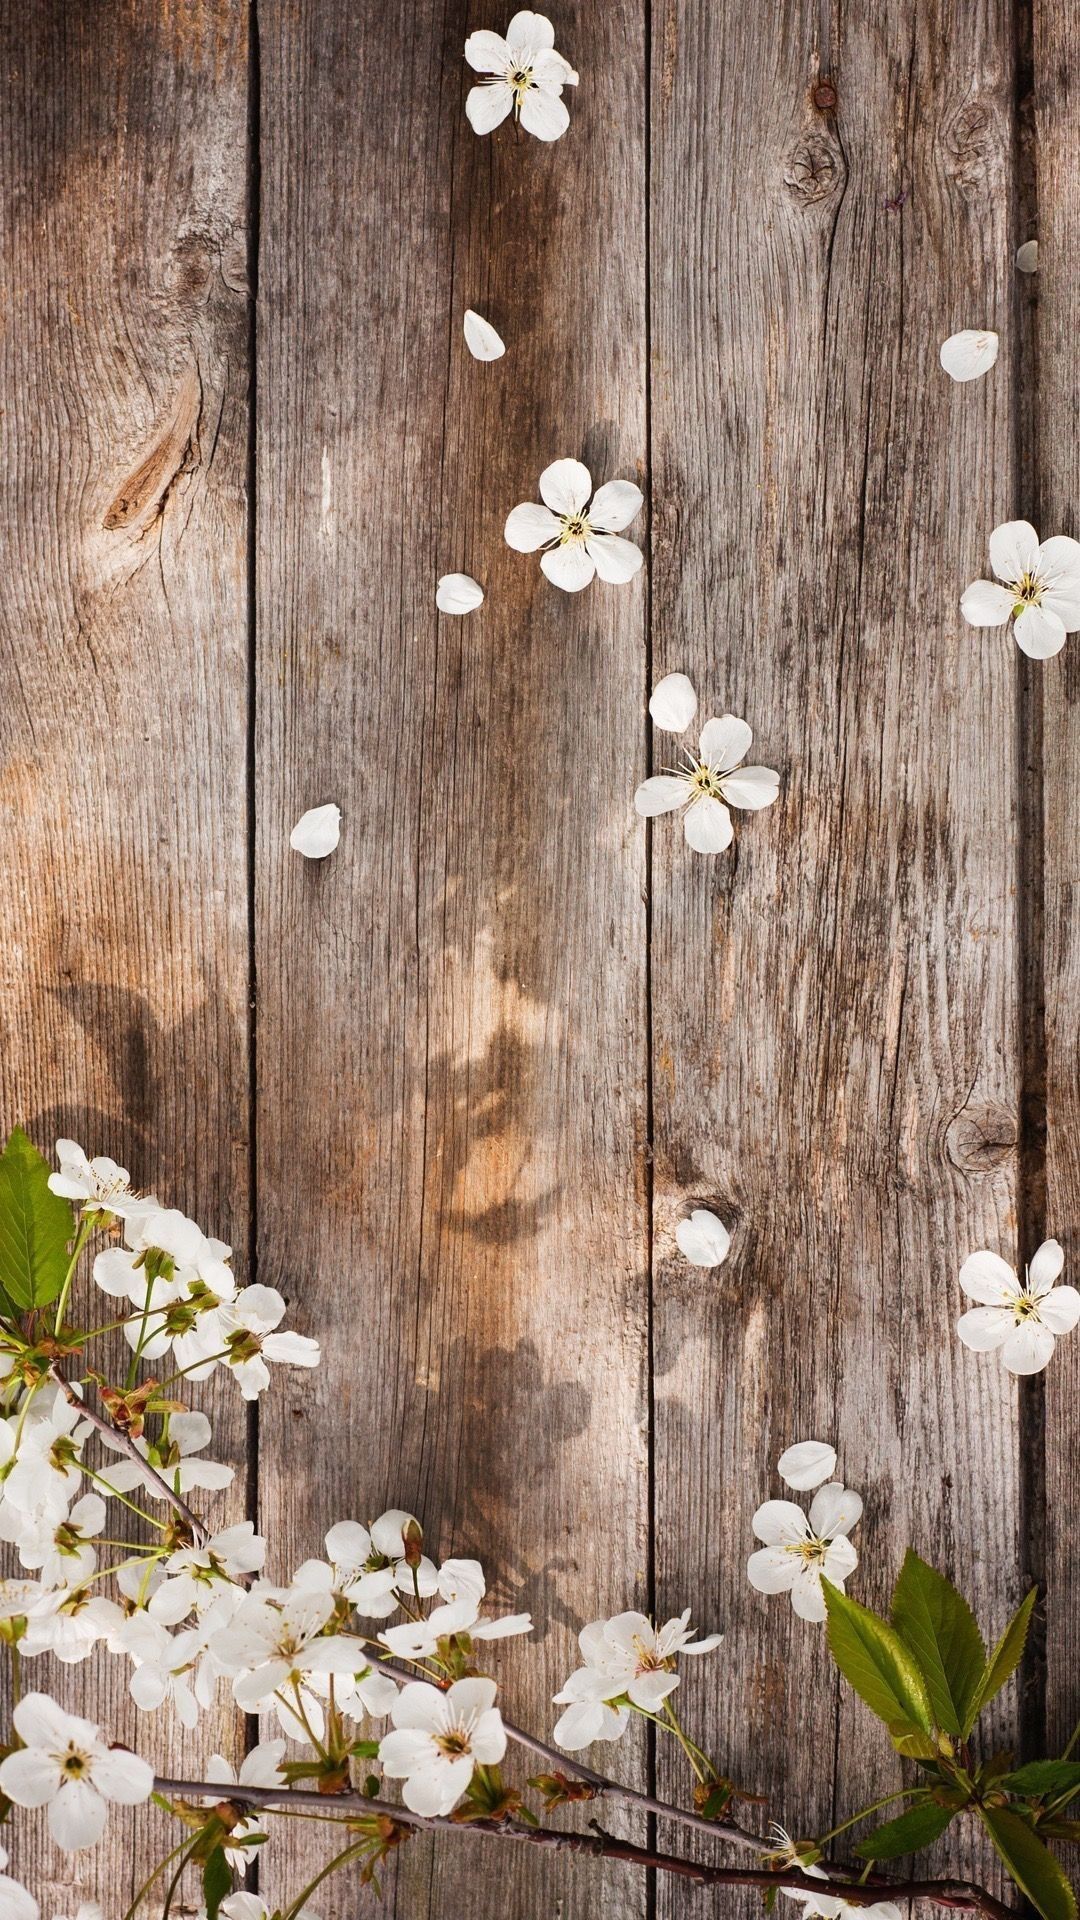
{"type": "Point", "coordinates": [452, 1089]}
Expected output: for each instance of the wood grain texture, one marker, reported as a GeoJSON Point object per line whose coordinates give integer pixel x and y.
{"type": "Point", "coordinates": [836, 1000]}
{"type": "Point", "coordinates": [1056, 397]}
{"type": "Point", "coordinates": [123, 906]}
{"type": "Point", "coordinates": [451, 1024]}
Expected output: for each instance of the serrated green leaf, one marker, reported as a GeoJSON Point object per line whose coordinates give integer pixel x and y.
{"type": "Point", "coordinates": [938, 1627]}
{"type": "Point", "coordinates": [35, 1227]}
{"type": "Point", "coordinates": [1031, 1864]}
{"type": "Point", "coordinates": [1044, 1776]}
{"type": "Point", "coordinates": [875, 1660]}
{"type": "Point", "coordinates": [914, 1745]}
{"type": "Point", "coordinates": [919, 1827]}
{"type": "Point", "coordinates": [217, 1882]}
{"type": "Point", "coordinates": [1005, 1658]}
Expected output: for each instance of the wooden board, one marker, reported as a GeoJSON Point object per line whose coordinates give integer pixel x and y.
{"type": "Point", "coordinates": [451, 1011]}
{"type": "Point", "coordinates": [835, 1001]}
{"type": "Point", "coordinates": [1054, 774]}
{"type": "Point", "coordinates": [123, 907]}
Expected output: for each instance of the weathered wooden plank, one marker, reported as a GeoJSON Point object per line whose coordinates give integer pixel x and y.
{"type": "Point", "coordinates": [835, 1000]}
{"type": "Point", "coordinates": [1055, 389]}
{"type": "Point", "coordinates": [123, 911]}
{"type": "Point", "coordinates": [451, 1010]}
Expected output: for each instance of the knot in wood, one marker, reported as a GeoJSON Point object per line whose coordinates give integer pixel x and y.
{"type": "Point", "coordinates": [814, 169]}
{"type": "Point", "coordinates": [972, 158]}
{"type": "Point", "coordinates": [824, 95]}
{"type": "Point", "coordinates": [980, 1138]}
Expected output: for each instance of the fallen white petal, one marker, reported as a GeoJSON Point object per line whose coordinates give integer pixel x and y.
{"type": "Point", "coordinates": [807, 1464]}
{"type": "Point", "coordinates": [458, 593]}
{"type": "Point", "coordinates": [1027, 256]}
{"type": "Point", "coordinates": [703, 1239]}
{"type": "Point", "coordinates": [674, 702]}
{"type": "Point", "coordinates": [317, 832]}
{"type": "Point", "coordinates": [481, 338]}
{"type": "Point", "coordinates": [969, 354]}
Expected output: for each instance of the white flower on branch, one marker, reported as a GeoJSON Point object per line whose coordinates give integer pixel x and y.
{"type": "Point", "coordinates": [174, 1459]}
{"type": "Point", "coordinates": [798, 1548]}
{"type": "Point", "coordinates": [271, 1645]}
{"type": "Point", "coordinates": [628, 1662]}
{"type": "Point", "coordinates": [969, 354]}
{"type": "Point", "coordinates": [194, 1576]}
{"type": "Point", "coordinates": [1041, 594]}
{"type": "Point", "coordinates": [710, 782]}
{"type": "Point", "coordinates": [365, 1575]}
{"type": "Point", "coordinates": [259, 1768]}
{"type": "Point", "coordinates": [179, 1280]}
{"type": "Point", "coordinates": [251, 1341]}
{"type": "Point", "coordinates": [64, 1765]}
{"type": "Point", "coordinates": [62, 1549]}
{"type": "Point", "coordinates": [15, 1902]}
{"type": "Point", "coordinates": [580, 539]}
{"type": "Point", "coordinates": [527, 77]}
{"type": "Point", "coordinates": [439, 1739]}
{"type": "Point", "coordinates": [167, 1668]}
{"type": "Point", "coordinates": [828, 1906]}
{"type": "Point", "coordinates": [98, 1185]}
{"type": "Point", "coordinates": [71, 1623]}
{"type": "Point", "coordinates": [47, 1473]}
{"type": "Point", "coordinates": [1021, 1320]}
{"type": "Point", "coordinates": [806, 1464]}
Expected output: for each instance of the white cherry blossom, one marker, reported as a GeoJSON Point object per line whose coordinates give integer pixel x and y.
{"type": "Point", "coordinates": [251, 1341]}
{"type": "Point", "coordinates": [628, 1662]}
{"type": "Point", "coordinates": [969, 354]}
{"type": "Point", "coordinates": [439, 1739]}
{"type": "Point", "coordinates": [259, 1768]}
{"type": "Point", "coordinates": [98, 1185]}
{"type": "Point", "coordinates": [46, 1474]}
{"type": "Point", "coordinates": [15, 1902]}
{"type": "Point", "coordinates": [1041, 594]}
{"type": "Point", "coordinates": [64, 1765]}
{"type": "Point", "coordinates": [194, 1576]}
{"type": "Point", "coordinates": [175, 1459]}
{"type": "Point", "coordinates": [71, 1624]}
{"type": "Point", "coordinates": [1021, 1320]}
{"type": "Point", "coordinates": [268, 1645]}
{"type": "Point", "coordinates": [523, 75]}
{"type": "Point", "coordinates": [828, 1906]}
{"type": "Point", "coordinates": [798, 1549]}
{"type": "Point", "coordinates": [63, 1549]}
{"type": "Point", "coordinates": [709, 782]}
{"type": "Point", "coordinates": [580, 537]}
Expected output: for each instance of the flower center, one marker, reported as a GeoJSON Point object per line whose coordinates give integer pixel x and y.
{"type": "Point", "coordinates": [575, 526]}
{"type": "Point", "coordinates": [703, 781]}
{"type": "Point", "coordinates": [521, 80]}
{"type": "Point", "coordinates": [75, 1765]}
{"type": "Point", "coordinates": [1028, 590]}
{"type": "Point", "coordinates": [810, 1552]}
{"type": "Point", "coordinates": [649, 1660]}
{"type": "Point", "coordinates": [453, 1743]}
{"type": "Point", "coordinates": [1026, 1308]}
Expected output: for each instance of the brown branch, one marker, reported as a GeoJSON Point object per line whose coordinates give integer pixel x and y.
{"type": "Point", "coordinates": [126, 1444]}
{"type": "Point", "coordinates": [959, 1894]}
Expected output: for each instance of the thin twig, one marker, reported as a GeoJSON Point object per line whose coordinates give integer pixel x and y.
{"type": "Point", "coordinates": [126, 1444]}
{"type": "Point", "coordinates": [959, 1894]}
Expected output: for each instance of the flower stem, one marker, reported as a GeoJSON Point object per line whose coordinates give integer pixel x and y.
{"type": "Point", "coordinates": [901, 1793]}
{"type": "Point", "coordinates": [81, 1238]}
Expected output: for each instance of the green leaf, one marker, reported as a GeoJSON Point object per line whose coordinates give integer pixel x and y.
{"type": "Point", "coordinates": [1005, 1658]}
{"type": "Point", "coordinates": [1034, 1868]}
{"type": "Point", "coordinates": [919, 1827]}
{"type": "Point", "coordinates": [937, 1625]}
{"type": "Point", "coordinates": [877, 1663]}
{"type": "Point", "coordinates": [1044, 1776]}
{"type": "Point", "coordinates": [35, 1227]}
{"type": "Point", "coordinates": [217, 1882]}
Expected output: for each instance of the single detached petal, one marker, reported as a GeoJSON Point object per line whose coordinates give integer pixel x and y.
{"type": "Point", "coordinates": [532, 32]}
{"type": "Point", "coordinates": [458, 593]}
{"type": "Point", "coordinates": [487, 106]}
{"type": "Point", "coordinates": [780, 1523]}
{"type": "Point", "coordinates": [969, 354]}
{"type": "Point", "coordinates": [1039, 633]}
{"type": "Point", "coordinates": [984, 1276]}
{"type": "Point", "coordinates": [530, 526]}
{"type": "Point", "coordinates": [1060, 1310]}
{"type": "Point", "coordinates": [806, 1464]}
{"type": "Point", "coordinates": [1027, 256]}
{"type": "Point", "coordinates": [751, 787]}
{"type": "Point", "coordinates": [487, 53]}
{"type": "Point", "coordinates": [1014, 550]}
{"type": "Point", "coordinates": [481, 338]}
{"type": "Point", "coordinates": [707, 826]}
{"type": "Point", "coordinates": [703, 1239]}
{"type": "Point", "coordinates": [985, 604]}
{"type": "Point", "coordinates": [317, 832]}
{"type": "Point", "coordinates": [674, 703]}
{"type": "Point", "coordinates": [616, 560]}
{"type": "Point", "coordinates": [543, 114]}
{"type": "Point", "coordinates": [662, 794]}
{"type": "Point", "coordinates": [565, 486]}
{"type": "Point", "coordinates": [569, 566]}
{"type": "Point", "coordinates": [1046, 1265]}
{"type": "Point", "coordinates": [615, 505]}
{"type": "Point", "coordinates": [1028, 1348]}
{"type": "Point", "coordinates": [725, 742]}
{"type": "Point", "coordinates": [985, 1329]}
{"type": "Point", "coordinates": [1059, 571]}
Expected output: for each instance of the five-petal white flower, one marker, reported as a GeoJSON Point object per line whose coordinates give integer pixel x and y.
{"type": "Point", "coordinates": [799, 1549]}
{"type": "Point", "coordinates": [438, 1740]}
{"type": "Point", "coordinates": [99, 1185]}
{"type": "Point", "coordinates": [526, 76]}
{"type": "Point", "coordinates": [579, 535]}
{"type": "Point", "coordinates": [628, 1662]}
{"type": "Point", "coordinates": [64, 1765]}
{"type": "Point", "coordinates": [1021, 1320]}
{"type": "Point", "coordinates": [708, 784]}
{"type": "Point", "coordinates": [1041, 592]}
